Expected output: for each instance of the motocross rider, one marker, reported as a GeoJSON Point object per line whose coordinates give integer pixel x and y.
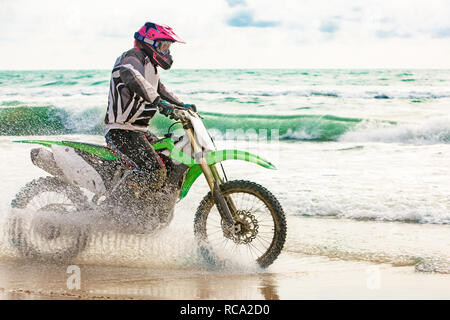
{"type": "Point", "coordinates": [135, 94]}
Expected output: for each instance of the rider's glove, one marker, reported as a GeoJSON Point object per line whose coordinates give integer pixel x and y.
{"type": "Point", "coordinates": [191, 107]}
{"type": "Point", "coordinates": [166, 110]}
{"type": "Point", "coordinates": [164, 107]}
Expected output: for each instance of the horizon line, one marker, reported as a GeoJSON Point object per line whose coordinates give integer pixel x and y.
{"type": "Point", "coordinates": [265, 68]}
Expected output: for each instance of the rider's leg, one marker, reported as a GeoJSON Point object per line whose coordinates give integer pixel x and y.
{"type": "Point", "coordinates": [138, 151]}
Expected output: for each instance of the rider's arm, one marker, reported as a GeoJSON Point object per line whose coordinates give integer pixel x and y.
{"type": "Point", "coordinates": [168, 96]}
{"type": "Point", "coordinates": [132, 74]}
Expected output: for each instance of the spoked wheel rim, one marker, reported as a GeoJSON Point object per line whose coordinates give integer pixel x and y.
{"type": "Point", "coordinates": [255, 237]}
{"type": "Point", "coordinates": [49, 230]}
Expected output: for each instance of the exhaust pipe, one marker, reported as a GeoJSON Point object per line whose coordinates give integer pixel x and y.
{"type": "Point", "coordinates": [44, 159]}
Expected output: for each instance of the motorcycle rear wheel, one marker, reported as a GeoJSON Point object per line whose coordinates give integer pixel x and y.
{"type": "Point", "coordinates": [40, 231]}
{"type": "Point", "coordinates": [262, 226]}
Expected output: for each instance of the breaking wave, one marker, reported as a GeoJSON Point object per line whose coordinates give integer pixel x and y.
{"type": "Point", "coordinates": [430, 132]}
{"type": "Point", "coordinates": [47, 120]}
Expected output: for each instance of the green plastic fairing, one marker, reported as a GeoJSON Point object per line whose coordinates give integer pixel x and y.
{"type": "Point", "coordinates": [97, 150]}
{"type": "Point", "coordinates": [175, 153]}
{"type": "Point", "coordinates": [195, 170]}
{"type": "Point", "coordinates": [221, 155]}
{"type": "Point", "coordinates": [218, 156]}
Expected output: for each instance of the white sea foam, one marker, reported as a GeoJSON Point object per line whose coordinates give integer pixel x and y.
{"type": "Point", "coordinates": [378, 212]}
{"type": "Point", "coordinates": [433, 131]}
{"type": "Point", "coordinates": [333, 92]}
{"type": "Point", "coordinates": [301, 134]}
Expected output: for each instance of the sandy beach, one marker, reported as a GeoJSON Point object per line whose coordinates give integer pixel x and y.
{"type": "Point", "coordinates": [329, 280]}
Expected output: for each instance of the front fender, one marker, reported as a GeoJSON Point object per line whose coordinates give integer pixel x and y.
{"type": "Point", "coordinates": [219, 156]}
{"type": "Point", "coordinates": [222, 155]}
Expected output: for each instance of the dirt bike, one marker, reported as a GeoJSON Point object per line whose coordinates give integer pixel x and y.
{"type": "Point", "coordinates": [236, 218]}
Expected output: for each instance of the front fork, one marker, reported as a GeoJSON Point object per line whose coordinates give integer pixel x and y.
{"type": "Point", "coordinates": [226, 206]}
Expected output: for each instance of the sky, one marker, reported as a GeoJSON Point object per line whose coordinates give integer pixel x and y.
{"type": "Point", "coordinates": [91, 34]}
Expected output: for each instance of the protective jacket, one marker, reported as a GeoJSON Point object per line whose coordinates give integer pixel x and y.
{"type": "Point", "coordinates": [134, 90]}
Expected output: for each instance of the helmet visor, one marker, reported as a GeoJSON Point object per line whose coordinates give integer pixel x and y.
{"type": "Point", "coordinates": [163, 47]}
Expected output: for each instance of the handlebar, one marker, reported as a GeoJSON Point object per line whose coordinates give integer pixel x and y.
{"type": "Point", "coordinates": [181, 113]}
{"type": "Point", "coordinates": [176, 112]}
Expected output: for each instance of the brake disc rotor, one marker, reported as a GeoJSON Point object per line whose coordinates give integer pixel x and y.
{"type": "Point", "coordinates": [244, 230]}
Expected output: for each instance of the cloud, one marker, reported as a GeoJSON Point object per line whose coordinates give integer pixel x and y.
{"type": "Point", "coordinates": [441, 33]}
{"type": "Point", "coordinates": [383, 34]}
{"type": "Point", "coordinates": [246, 19]}
{"type": "Point", "coordinates": [234, 3]}
{"type": "Point", "coordinates": [316, 33]}
{"type": "Point", "coordinates": [329, 26]}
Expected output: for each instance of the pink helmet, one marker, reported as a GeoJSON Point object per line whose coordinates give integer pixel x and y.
{"type": "Point", "coordinates": [158, 39]}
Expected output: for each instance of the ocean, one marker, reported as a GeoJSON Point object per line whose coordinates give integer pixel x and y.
{"type": "Point", "coordinates": [363, 156]}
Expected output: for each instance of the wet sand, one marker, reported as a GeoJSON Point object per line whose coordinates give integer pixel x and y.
{"type": "Point", "coordinates": [315, 278]}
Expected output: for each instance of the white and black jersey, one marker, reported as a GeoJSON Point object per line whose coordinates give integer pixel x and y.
{"type": "Point", "coordinates": [134, 87]}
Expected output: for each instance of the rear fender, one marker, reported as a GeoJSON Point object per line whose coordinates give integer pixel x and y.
{"type": "Point", "coordinates": [65, 163]}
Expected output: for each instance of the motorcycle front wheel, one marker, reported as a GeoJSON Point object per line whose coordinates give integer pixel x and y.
{"type": "Point", "coordinates": [261, 226]}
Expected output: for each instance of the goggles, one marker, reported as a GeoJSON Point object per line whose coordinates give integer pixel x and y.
{"type": "Point", "coordinates": [163, 46]}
